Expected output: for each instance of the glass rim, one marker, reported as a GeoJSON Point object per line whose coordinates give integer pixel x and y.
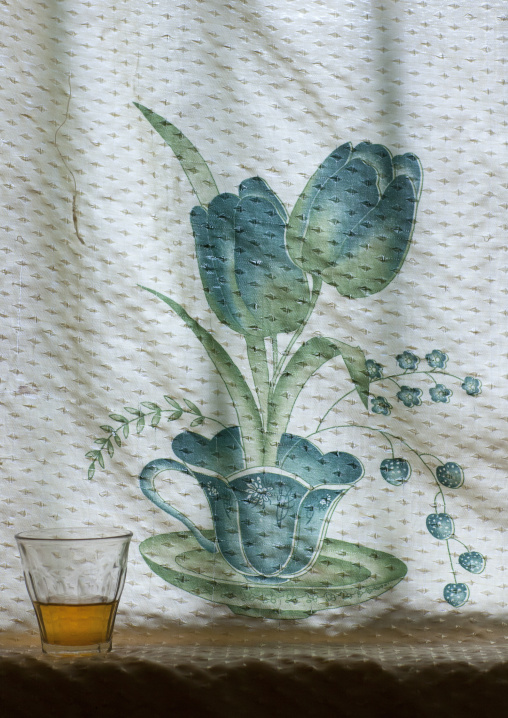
{"type": "Point", "coordinates": [65, 533]}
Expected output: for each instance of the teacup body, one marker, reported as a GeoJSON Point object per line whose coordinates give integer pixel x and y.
{"type": "Point", "coordinates": [269, 522]}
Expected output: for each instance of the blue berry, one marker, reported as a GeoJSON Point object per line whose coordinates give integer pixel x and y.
{"type": "Point", "coordinates": [472, 561]}
{"type": "Point", "coordinates": [440, 526]}
{"type": "Point", "coordinates": [456, 594]}
{"type": "Point", "coordinates": [395, 471]}
{"type": "Point", "coordinates": [450, 475]}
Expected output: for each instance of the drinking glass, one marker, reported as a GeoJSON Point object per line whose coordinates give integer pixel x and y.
{"type": "Point", "coordinates": [75, 577]}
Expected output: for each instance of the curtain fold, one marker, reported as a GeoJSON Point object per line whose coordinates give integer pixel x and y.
{"type": "Point", "coordinates": [159, 274]}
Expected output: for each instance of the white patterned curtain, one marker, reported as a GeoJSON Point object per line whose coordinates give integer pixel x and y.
{"type": "Point", "coordinates": [275, 289]}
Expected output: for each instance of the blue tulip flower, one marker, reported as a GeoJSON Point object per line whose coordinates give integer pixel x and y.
{"type": "Point", "coordinates": [249, 280]}
{"type": "Point", "coordinates": [353, 222]}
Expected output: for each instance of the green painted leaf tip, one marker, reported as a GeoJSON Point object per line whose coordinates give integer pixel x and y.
{"type": "Point", "coordinates": [356, 364]}
{"type": "Point", "coordinates": [194, 166]}
{"type": "Point", "coordinates": [246, 409]}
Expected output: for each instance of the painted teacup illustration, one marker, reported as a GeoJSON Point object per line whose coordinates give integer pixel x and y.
{"type": "Point", "coordinates": [271, 493]}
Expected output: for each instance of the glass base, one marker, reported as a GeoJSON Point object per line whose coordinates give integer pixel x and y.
{"type": "Point", "coordinates": [57, 650]}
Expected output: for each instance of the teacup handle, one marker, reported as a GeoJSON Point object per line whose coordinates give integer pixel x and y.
{"type": "Point", "coordinates": [146, 482]}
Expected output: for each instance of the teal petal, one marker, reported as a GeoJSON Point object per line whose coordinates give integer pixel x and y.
{"type": "Point", "coordinates": [377, 246]}
{"type": "Point", "coordinates": [257, 187]}
{"type": "Point", "coordinates": [224, 509]}
{"type": "Point", "coordinates": [338, 208]}
{"type": "Point", "coordinates": [267, 513]}
{"type": "Point", "coordinates": [299, 456]}
{"type": "Point", "coordinates": [313, 516]}
{"type": "Point", "coordinates": [352, 227]}
{"type": "Point", "coordinates": [214, 233]}
{"type": "Point", "coordinates": [274, 290]}
{"type": "Point", "coordinates": [249, 280]}
{"type": "Point", "coordinates": [299, 218]}
{"type": "Point", "coordinates": [221, 454]}
{"type": "Point", "coordinates": [378, 157]}
{"type": "Point", "coordinates": [410, 166]}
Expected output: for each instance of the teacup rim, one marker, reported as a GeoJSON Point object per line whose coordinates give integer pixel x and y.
{"type": "Point", "coordinates": [268, 470]}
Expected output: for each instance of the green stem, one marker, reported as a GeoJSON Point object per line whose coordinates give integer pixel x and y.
{"type": "Point", "coordinates": [429, 374]}
{"type": "Point", "coordinates": [316, 289]}
{"type": "Point", "coordinates": [451, 560]}
{"type": "Point", "coordinates": [303, 365]}
{"type": "Point", "coordinates": [389, 378]}
{"type": "Point", "coordinates": [275, 355]}
{"type": "Point", "coordinates": [390, 442]}
{"type": "Point", "coordinates": [258, 362]}
{"type": "Point", "coordinates": [454, 538]}
{"type": "Point", "coordinates": [433, 456]}
{"type": "Point", "coordinates": [334, 405]}
{"type": "Point", "coordinates": [412, 373]}
{"type": "Point", "coordinates": [115, 434]}
{"type": "Point", "coordinates": [441, 494]}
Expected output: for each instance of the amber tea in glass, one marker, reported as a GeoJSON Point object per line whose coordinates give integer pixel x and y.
{"type": "Point", "coordinates": [75, 578]}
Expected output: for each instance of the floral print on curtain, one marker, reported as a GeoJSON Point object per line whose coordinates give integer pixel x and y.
{"type": "Point", "coordinates": [271, 493]}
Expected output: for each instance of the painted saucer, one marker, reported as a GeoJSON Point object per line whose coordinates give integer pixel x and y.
{"type": "Point", "coordinates": [343, 575]}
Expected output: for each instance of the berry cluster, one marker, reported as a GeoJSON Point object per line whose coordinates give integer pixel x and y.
{"type": "Point", "coordinates": [440, 525]}
{"type": "Point", "coordinates": [397, 470]}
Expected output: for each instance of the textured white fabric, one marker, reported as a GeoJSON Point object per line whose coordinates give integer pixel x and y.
{"type": "Point", "coordinates": [95, 204]}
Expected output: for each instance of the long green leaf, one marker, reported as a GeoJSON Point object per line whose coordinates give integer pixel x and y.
{"type": "Point", "coordinates": [249, 418]}
{"type": "Point", "coordinates": [354, 359]}
{"type": "Point", "coordinates": [194, 166]}
{"type": "Point", "coordinates": [304, 363]}
{"type": "Point", "coordinates": [256, 354]}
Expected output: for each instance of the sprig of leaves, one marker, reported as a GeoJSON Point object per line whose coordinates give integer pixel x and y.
{"type": "Point", "coordinates": [137, 421]}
